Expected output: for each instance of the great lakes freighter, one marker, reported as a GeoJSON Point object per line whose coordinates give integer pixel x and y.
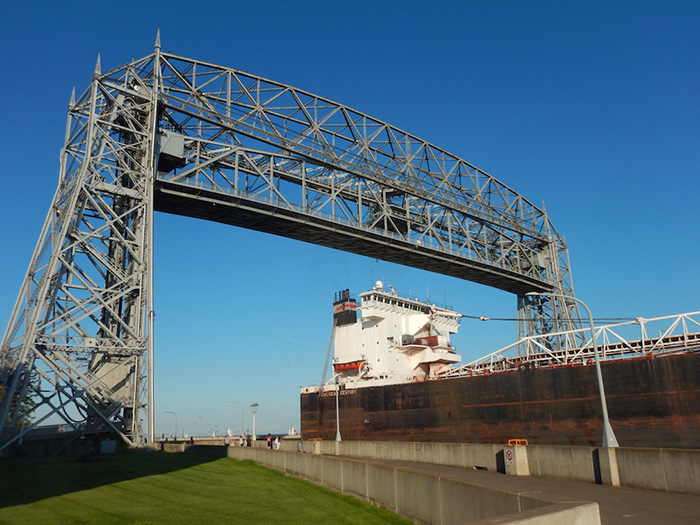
{"type": "Point", "coordinates": [395, 378]}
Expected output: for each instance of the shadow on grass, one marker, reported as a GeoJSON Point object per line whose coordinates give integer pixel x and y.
{"type": "Point", "coordinates": [25, 480]}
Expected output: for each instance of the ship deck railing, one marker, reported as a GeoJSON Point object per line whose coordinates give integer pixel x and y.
{"type": "Point", "coordinates": [678, 334]}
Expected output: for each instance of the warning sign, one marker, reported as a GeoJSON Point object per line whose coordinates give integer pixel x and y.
{"type": "Point", "coordinates": [509, 456]}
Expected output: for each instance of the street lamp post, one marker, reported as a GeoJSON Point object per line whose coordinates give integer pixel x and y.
{"type": "Point", "coordinates": [254, 410]}
{"type": "Point", "coordinates": [609, 439]}
{"type": "Point", "coordinates": [173, 413]}
{"type": "Point", "coordinates": [242, 415]}
{"type": "Point", "coordinates": [337, 409]}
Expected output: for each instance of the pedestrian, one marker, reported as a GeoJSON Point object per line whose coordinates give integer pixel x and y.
{"type": "Point", "coordinates": [269, 441]}
{"type": "Point", "coordinates": [227, 440]}
{"type": "Point", "coordinates": [277, 443]}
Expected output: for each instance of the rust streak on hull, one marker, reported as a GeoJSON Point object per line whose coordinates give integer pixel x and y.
{"type": "Point", "coordinates": [652, 403]}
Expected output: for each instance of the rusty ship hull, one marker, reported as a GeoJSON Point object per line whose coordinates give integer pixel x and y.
{"type": "Point", "coordinates": [652, 402]}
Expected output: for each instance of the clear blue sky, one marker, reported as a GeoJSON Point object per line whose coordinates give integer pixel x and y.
{"type": "Point", "coordinates": [590, 107]}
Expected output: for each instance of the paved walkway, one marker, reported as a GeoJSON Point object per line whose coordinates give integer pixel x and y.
{"type": "Point", "coordinates": [617, 504]}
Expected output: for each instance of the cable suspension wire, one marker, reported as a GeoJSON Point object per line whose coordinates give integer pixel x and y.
{"type": "Point", "coordinates": [597, 319]}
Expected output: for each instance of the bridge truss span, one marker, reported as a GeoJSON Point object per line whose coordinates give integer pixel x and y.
{"type": "Point", "coordinates": [300, 199]}
{"type": "Point", "coordinates": [173, 134]}
{"type": "Point", "coordinates": [356, 168]}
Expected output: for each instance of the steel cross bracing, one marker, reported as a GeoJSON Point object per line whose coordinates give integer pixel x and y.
{"type": "Point", "coordinates": [76, 345]}
{"type": "Point", "coordinates": [187, 137]}
{"type": "Point", "coordinates": [380, 191]}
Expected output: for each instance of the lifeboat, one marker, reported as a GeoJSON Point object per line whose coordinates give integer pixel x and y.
{"type": "Point", "coordinates": [348, 367]}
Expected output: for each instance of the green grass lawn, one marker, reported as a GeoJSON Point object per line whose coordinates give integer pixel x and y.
{"type": "Point", "coordinates": [156, 487]}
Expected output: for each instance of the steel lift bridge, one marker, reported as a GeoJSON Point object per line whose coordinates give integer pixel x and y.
{"type": "Point", "coordinates": [173, 134]}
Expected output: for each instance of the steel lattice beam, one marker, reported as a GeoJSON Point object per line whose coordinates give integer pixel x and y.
{"type": "Point", "coordinates": [183, 136]}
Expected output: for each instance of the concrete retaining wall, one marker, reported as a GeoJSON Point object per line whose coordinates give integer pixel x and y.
{"type": "Point", "coordinates": [572, 463]}
{"type": "Point", "coordinates": [470, 455]}
{"type": "Point", "coordinates": [671, 470]}
{"type": "Point", "coordinates": [420, 497]}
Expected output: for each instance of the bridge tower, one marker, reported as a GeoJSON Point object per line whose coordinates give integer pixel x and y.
{"type": "Point", "coordinates": [168, 133]}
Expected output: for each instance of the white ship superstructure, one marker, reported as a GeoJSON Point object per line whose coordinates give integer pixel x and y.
{"type": "Point", "coordinates": [395, 340]}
